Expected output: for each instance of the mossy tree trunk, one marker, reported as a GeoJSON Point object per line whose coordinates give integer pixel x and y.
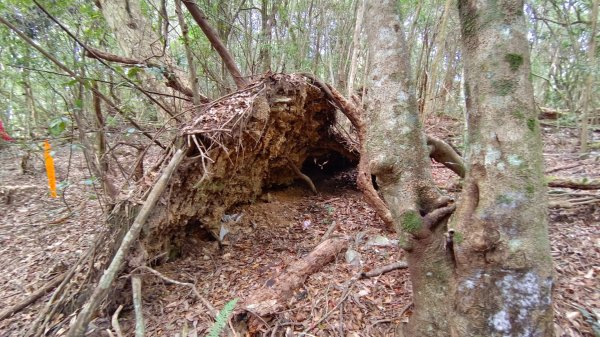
{"type": "Point", "coordinates": [398, 157]}
{"type": "Point", "coordinates": [491, 274]}
{"type": "Point", "coordinates": [503, 276]}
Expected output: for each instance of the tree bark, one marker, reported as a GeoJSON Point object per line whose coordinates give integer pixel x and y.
{"type": "Point", "coordinates": [587, 91]}
{"type": "Point", "coordinates": [138, 41]}
{"type": "Point", "coordinates": [189, 56]}
{"type": "Point", "coordinates": [503, 273]}
{"type": "Point", "coordinates": [399, 158]}
{"type": "Point", "coordinates": [360, 13]}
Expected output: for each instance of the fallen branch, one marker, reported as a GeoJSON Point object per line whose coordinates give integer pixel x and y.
{"type": "Point", "coordinates": [330, 230]}
{"type": "Point", "coordinates": [115, 321]}
{"type": "Point", "coordinates": [33, 297]}
{"type": "Point", "coordinates": [275, 296]}
{"type": "Point", "coordinates": [572, 203]}
{"type": "Point", "coordinates": [384, 269]}
{"type": "Point", "coordinates": [560, 168]}
{"type": "Point", "coordinates": [84, 317]}
{"type": "Point", "coordinates": [136, 289]}
{"type": "Point", "coordinates": [577, 184]}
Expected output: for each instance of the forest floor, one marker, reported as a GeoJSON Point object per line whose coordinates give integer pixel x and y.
{"type": "Point", "coordinates": [40, 237]}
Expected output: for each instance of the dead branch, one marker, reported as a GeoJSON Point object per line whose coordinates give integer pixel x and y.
{"type": "Point", "coordinates": [384, 269]}
{"type": "Point", "coordinates": [136, 289]}
{"type": "Point", "coordinates": [115, 321]}
{"type": "Point", "coordinates": [330, 230]}
{"type": "Point", "coordinates": [560, 168]}
{"type": "Point", "coordinates": [84, 317]}
{"type": "Point", "coordinates": [572, 203]}
{"type": "Point", "coordinates": [275, 296]}
{"type": "Point", "coordinates": [172, 79]}
{"type": "Point", "coordinates": [213, 37]}
{"type": "Point", "coordinates": [98, 54]}
{"type": "Point", "coordinates": [33, 297]}
{"type": "Point", "coordinates": [577, 184]}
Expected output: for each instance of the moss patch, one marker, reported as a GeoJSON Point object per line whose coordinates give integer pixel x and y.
{"type": "Point", "coordinates": [469, 26]}
{"type": "Point", "coordinates": [503, 87]}
{"type": "Point", "coordinates": [504, 199]}
{"type": "Point", "coordinates": [531, 124]}
{"type": "Point", "coordinates": [514, 60]}
{"type": "Point", "coordinates": [405, 242]}
{"type": "Point", "coordinates": [458, 238]}
{"type": "Point", "coordinates": [530, 189]}
{"type": "Point", "coordinates": [519, 114]}
{"type": "Point", "coordinates": [411, 222]}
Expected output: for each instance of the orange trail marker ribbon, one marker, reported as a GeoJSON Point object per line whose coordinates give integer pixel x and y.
{"type": "Point", "coordinates": [50, 169]}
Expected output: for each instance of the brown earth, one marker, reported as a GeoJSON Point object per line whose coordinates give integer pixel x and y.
{"type": "Point", "coordinates": [40, 237]}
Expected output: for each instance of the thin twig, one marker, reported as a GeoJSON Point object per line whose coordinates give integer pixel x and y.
{"type": "Point", "coordinates": [115, 321]}
{"type": "Point", "coordinates": [345, 294]}
{"type": "Point", "coordinates": [211, 309]}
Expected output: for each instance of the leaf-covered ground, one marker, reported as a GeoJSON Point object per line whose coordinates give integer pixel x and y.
{"type": "Point", "coordinates": [40, 237]}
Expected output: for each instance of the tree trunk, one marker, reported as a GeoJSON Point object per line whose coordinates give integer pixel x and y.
{"type": "Point", "coordinates": [587, 90]}
{"type": "Point", "coordinates": [503, 273]}
{"type": "Point", "coordinates": [138, 41]}
{"type": "Point", "coordinates": [360, 13]}
{"type": "Point", "coordinates": [398, 157]}
{"type": "Point", "coordinates": [266, 21]}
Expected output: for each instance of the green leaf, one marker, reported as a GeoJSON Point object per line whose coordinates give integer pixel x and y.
{"type": "Point", "coordinates": [71, 83]}
{"type": "Point", "coordinates": [132, 72]}
{"type": "Point", "coordinates": [58, 125]}
{"type": "Point", "coordinates": [222, 318]}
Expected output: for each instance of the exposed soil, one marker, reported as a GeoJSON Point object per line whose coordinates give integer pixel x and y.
{"type": "Point", "coordinates": [40, 237]}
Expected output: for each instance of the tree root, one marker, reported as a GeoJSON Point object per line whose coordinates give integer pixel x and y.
{"type": "Point", "coordinates": [445, 154]}
{"type": "Point", "coordinates": [302, 176]}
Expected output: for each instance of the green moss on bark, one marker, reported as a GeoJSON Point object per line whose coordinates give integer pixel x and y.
{"type": "Point", "coordinates": [411, 222]}
{"type": "Point", "coordinates": [531, 124]}
{"type": "Point", "coordinates": [514, 60]}
{"type": "Point", "coordinates": [458, 238]}
{"type": "Point", "coordinates": [519, 114]}
{"type": "Point", "coordinates": [503, 87]}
